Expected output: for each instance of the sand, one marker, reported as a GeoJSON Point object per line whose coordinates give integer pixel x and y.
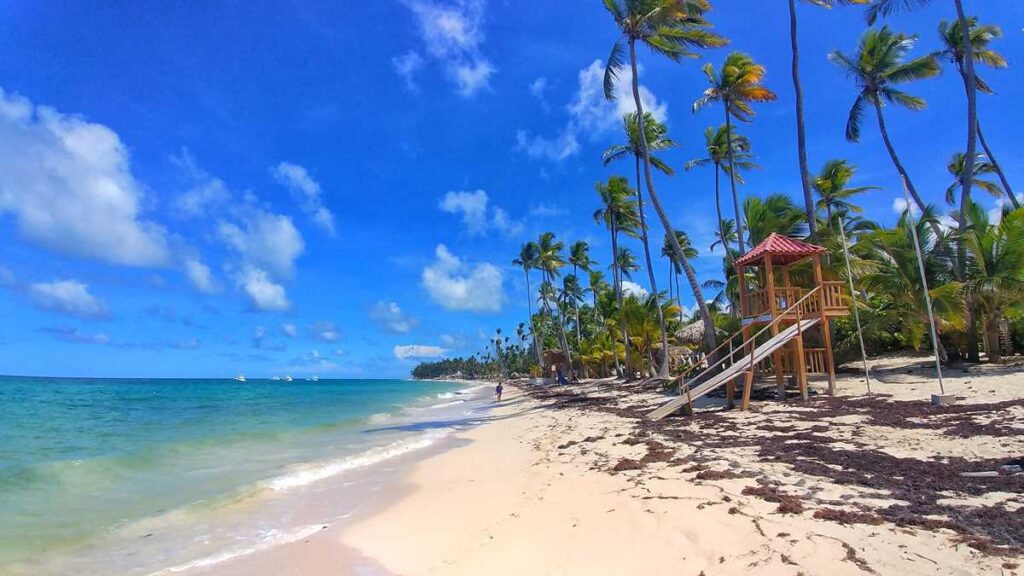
{"type": "Point", "coordinates": [572, 482]}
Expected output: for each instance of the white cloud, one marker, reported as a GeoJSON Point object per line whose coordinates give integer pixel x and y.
{"type": "Point", "coordinates": [389, 316]}
{"type": "Point", "coordinates": [264, 294]}
{"type": "Point", "coordinates": [547, 210]}
{"type": "Point", "coordinates": [538, 86]}
{"type": "Point", "coordinates": [457, 286]}
{"type": "Point", "coordinates": [452, 33]}
{"type": "Point", "coordinates": [995, 215]}
{"type": "Point", "coordinates": [307, 192]}
{"type": "Point", "coordinates": [68, 182]}
{"type": "Point", "coordinates": [76, 336]}
{"type": "Point", "coordinates": [405, 352]}
{"type": "Point", "coordinates": [472, 77]}
{"type": "Point", "coordinates": [473, 207]}
{"type": "Point", "coordinates": [265, 240]}
{"type": "Point", "coordinates": [205, 191]}
{"type": "Point", "coordinates": [633, 289]}
{"type": "Point", "coordinates": [68, 297]}
{"type": "Point", "coordinates": [407, 66]}
{"type": "Point", "coordinates": [314, 363]}
{"type": "Point", "coordinates": [260, 340]}
{"type": "Point", "coordinates": [555, 149]}
{"type": "Point", "coordinates": [899, 206]}
{"type": "Point", "coordinates": [325, 331]}
{"type": "Point", "coordinates": [591, 115]}
{"type": "Point", "coordinates": [289, 330]}
{"type": "Point", "coordinates": [200, 276]}
{"type": "Point", "coordinates": [452, 341]}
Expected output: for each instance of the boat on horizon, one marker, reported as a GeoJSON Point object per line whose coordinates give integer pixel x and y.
{"type": "Point", "coordinates": [313, 378]}
{"type": "Point", "coordinates": [287, 378]}
{"type": "Point", "coordinates": [239, 378]}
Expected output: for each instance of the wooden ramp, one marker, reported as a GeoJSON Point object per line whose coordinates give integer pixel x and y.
{"type": "Point", "coordinates": [737, 369]}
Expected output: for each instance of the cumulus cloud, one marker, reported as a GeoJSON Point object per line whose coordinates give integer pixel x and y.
{"type": "Point", "coordinates": [407, 66]}
{"type": "Point", "coordinates": [205, 192]}
{"type": "Point", "coordinates": [199, 276]}
{"type": "Point", "coordinates": [264, 240]}
{"type": "Point", "coordinates": [452, 33]}
{"type": "Point", "coordinates": [289, 330]}
{"type": "Point", "coordinates": [547, 210]}
{"type": "Point", "coordinates": [591, 115]}
{"type": "Point", "coordinates": [633, 289]}
{"type": "Point", "coordinates": [899, 206]}
{"type": "Point", "coordinates": [409, 351]}
{"type": "Point", "coordinates": [260, 340]}
{"type": "Point", "coordinates": [67, 297]}
{"type": "Point", "coordinates": [76, 336]}
{"type": "Point", "coordinates": [264, 294]}
{"type": "Point", "coordinates": [538, 89]}
{"type": "Point", "coordinates": [390, 317]}
{"type": "Point", "coordinates": [325, 331]}
{"type": "Point", "coordinates": [458, 286]}
{"type": "Point", "coordinates": [476, 216]}
{"type": "Point", "coordinates": [68, 183]}
{"type": "Point", "coordinates": [307, 193]}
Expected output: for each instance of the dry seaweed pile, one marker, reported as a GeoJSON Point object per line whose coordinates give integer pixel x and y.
{"type": "Point", "coordinates": [798, 436]}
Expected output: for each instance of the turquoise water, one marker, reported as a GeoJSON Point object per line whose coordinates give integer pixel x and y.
{"type": "Point", "coordinates": [100, 464]}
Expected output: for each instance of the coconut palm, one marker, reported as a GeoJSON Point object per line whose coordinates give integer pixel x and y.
{"type": "Point", "coordinates": [895, 277]}
{"type": "Point", "coordinates": [879, 64]}
{"type": "Point", "coordinates": [618, 213]}
{"type": "Point", "coordinates": [528, 259]}
{"type": "Point", "coordinates": [801, 137]}
{"type": "Point", "coordinates": [626, 263]}
{"type": "Point", "coordinates": [570, 296]}
{"type": "Point", "coordinates": [775, 213]}
{"type": "Point", "coordinates": [667, 252]}
{"type": "Point", "coordinates": [736, 86]}
{"type": "Point", "coordinates": [997, 275]}
{"type": "Point", "coordinates": [579, 257]}
{"type": "Point", "coordinates": [982, 167]}
{"type": "Point", "coordinates": [981, 36]}
{"type": "Point", "coordinates": [716, 141]}
{"type": "Point", "coordinates": [549, 260]}
{"type": "Point", "coordinates": [657, 139]}
{"type": "Point", "coordinates": [832, 185]}
{"type": "Point", "coordinates": [726, 233]}
{"type": "Point", "coordinates": [670, 28]}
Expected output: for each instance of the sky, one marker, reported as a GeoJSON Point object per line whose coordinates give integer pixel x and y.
{"type": "Point", "coordinates": [339, 188]}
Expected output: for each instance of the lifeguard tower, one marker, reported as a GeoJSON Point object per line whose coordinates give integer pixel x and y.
{"type": "Point", "coordinates": [782, 316]}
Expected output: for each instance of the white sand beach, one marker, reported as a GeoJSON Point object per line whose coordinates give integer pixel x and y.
{"type": "Point", "coordinates": [571, 482]}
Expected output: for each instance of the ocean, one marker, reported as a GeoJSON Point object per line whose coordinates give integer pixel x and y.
{"type": "Point", "coordinates": [154, 476]}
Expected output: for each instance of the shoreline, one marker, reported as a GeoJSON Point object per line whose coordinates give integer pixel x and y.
{"type": "Point", "coordinates": [567, 480]}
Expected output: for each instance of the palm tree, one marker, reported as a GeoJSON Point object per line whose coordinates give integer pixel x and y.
{"type": "Point", "coordinates": [671, 28]}
{"type": "Point", "coordinates": [618, 214]}
{"type": "Point", "coordinates": [834, 192]}
{"type": "Point", "coordinates": [880, 62]}
{"type": "Point", "coordinates": [529, 255]}
{"type": "Point", "coordinates": [549, 259]}
{"type": "Point", "coordinates": [726, 233]}
{"type": "Point", "coordinates": [982, 166]}
{"type": "Point", "coordinates": [981, 35]}
{"type": "Point", "coordinates": [667, 252]}
{"type": "Point", "coordinates": [657, 139]}
{"type": "Point", "coordinates": [998, 258]}
{"type": "Point", "coordinates": [626, 263]}
{"type": "Point", "coordinates": [571, 295]}
{"type": "Point", "coordinates": [801, 137]}
{"type": "Point", "coordinates": [736, 86]}
{"type": "Point", "coordinates": [775, 213]}
{"type": "Point", "coordinates": [716, 142]}
{"type": "Point", "coordinates": [596, 284]}
{"type": "Point", "coordinates": [579, 257]}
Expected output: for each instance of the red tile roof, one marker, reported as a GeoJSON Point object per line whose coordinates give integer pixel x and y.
{"type": "Point", "coordinates": [784, 250]}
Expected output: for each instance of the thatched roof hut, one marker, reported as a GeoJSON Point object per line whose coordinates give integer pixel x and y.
{"type": "Point", "coordinates": [693, 334]}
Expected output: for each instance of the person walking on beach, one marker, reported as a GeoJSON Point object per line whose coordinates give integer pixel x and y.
{"type": "Point", "coordinates": [498, 390]}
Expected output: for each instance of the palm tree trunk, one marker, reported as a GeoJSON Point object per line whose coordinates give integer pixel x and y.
{"type": "Point", "coordinates": [561, 328]}
{"type": "Point", "coordinates": [967, 178]}
{"type": "Point", "coordinates": [718, 210]}
{"type": "Point", "coordinates": [995, 354]}
{"type": "Point", "coordinates": [680, 297]}
{"type": "Point", "coordinates": [999, 170]}
{"type": "Point", "coordinates": [617, 286]}
{"type": "Point", "coordinates": [663, 368]}
{"type": "Point", "coordinates": [533, 325]}
{"type": "Point", "coordinates": [576, 308]}
{"type": "Point", "coordinates": [899, 165]}
{"type": "Point", "coordinates": [732, 179]}
{"type": "Point", "coordinates": [702, 305]}
{"type": "Point", "coordinates": [801, 136]}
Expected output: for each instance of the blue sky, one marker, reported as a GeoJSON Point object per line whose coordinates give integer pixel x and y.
{"type": "Point", "coordinates": [339, 188]}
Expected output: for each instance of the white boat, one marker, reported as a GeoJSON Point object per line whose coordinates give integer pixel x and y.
{"type": "Point", "coordinates": [240, 378]}
{"type": "Point", "coordinates": [313, 378]}
{"type": "Point", "coordinates": [276, 378]}
{"type": "Point", "coordinates": [287, 378]}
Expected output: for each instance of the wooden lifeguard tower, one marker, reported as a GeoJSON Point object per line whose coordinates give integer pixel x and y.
{"type": "Point", "coordinates": [788, 316]}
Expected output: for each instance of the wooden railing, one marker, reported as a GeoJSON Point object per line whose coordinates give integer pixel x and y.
{"type": "Point", "coordinates": [814, 359]}
{"type": "Point", "coordinates": [756, 303]}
